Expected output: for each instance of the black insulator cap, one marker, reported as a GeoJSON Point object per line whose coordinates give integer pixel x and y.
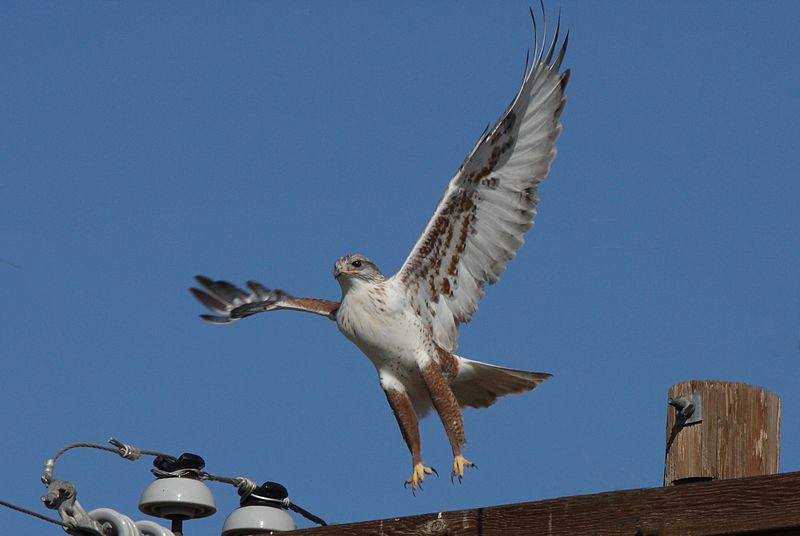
{"type": "Point", "coordinates": [261, 495]}
{"type": "Point", "coordinates": [187, 460]}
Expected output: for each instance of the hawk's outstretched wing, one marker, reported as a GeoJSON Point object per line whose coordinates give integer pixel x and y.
{"type": "Point", "coordinates": [233, 303]}
{"type": "Point", "coordinates": [489, 204]}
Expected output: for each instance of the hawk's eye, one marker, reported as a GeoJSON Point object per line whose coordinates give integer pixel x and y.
{"type": "Point", "coordinates": [356, 264]}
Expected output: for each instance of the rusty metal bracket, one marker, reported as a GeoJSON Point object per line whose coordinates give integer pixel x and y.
{"type": "Point", "coordinates": [689, 408]}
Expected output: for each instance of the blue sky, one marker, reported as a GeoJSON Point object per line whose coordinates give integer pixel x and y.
{"type": "Point", "coordinates": [143, 143]}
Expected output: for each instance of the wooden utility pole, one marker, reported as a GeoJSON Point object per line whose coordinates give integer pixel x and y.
{"type": "Point", "coordinates": [718, 430]}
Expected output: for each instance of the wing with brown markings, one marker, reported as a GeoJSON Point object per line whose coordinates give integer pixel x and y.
{"type": "Point", "coordinates": [491, 201]}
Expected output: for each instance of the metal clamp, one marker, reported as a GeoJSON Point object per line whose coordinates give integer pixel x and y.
{"type": "Point", "coordinates": [61, 496]}
{"type": "Point", "coordinates": [689, 407]}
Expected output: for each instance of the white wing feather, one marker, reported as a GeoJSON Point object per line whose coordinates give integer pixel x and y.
{"type": "Point", "coordinates": [491, 201]}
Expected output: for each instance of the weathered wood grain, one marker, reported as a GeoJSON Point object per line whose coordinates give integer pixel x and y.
{"type": "Point", "coordinates": [758, 505]}
{"type": "Point", "coordinates": [739, 434]}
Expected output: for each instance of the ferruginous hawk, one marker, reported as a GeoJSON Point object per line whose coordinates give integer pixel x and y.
{"type": "Point", "coordinates": [407, 324]}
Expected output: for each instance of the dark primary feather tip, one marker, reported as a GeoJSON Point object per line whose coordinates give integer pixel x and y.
{"type": "Point", "coordinates": [561, 52]}
{"type": "Point", "coordinates": [555, 40]}
{"type": "Point", "coordinates": [203, 280]}
{"type": "Point", "coordinates": [208, 300]}
{"type": "Point", "coordinates": [565, 78]}
{"type": "Point", "coordinates": [212, 319]}
{"type": "Point", "coordinates": [255, 285]}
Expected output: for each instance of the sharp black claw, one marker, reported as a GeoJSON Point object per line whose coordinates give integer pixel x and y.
{"type": "Point", "coordinates": [435, 472]}
{"type": "Point", "coordinates": [413, 488]}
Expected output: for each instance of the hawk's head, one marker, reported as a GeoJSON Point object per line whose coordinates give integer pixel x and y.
{"type": "Point", "coordinates": [356, 267]}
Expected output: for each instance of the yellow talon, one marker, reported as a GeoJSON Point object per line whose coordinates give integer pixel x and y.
{"type": "Point", "coordinates": [418, 475]}
{"type": "Point", "coordinates": [459, 462]}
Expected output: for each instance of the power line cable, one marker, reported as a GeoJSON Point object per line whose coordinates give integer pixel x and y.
{"type": "Point", "coordinates": [34, 514]}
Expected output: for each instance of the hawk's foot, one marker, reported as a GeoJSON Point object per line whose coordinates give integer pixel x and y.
{"type": "Point", "coordinates": [418, 475]}
{"type": "Point", "coordinates": [459, 463]}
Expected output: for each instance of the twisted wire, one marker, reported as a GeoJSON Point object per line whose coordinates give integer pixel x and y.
{"type": "Point", "coordinates": [243, 484]}
{"type": "Point", "coordinates": [124, 450]}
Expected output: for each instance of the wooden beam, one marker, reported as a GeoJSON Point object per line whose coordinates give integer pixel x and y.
{"type": "Point", "coordinates": [757, 505]}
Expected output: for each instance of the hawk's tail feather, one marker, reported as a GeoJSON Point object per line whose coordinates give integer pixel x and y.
{"type": "Point", "coordinates": [478, 385]}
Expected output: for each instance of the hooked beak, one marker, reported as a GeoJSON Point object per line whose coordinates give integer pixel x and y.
{"type": "Point", "coordinates": [337, 272]}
